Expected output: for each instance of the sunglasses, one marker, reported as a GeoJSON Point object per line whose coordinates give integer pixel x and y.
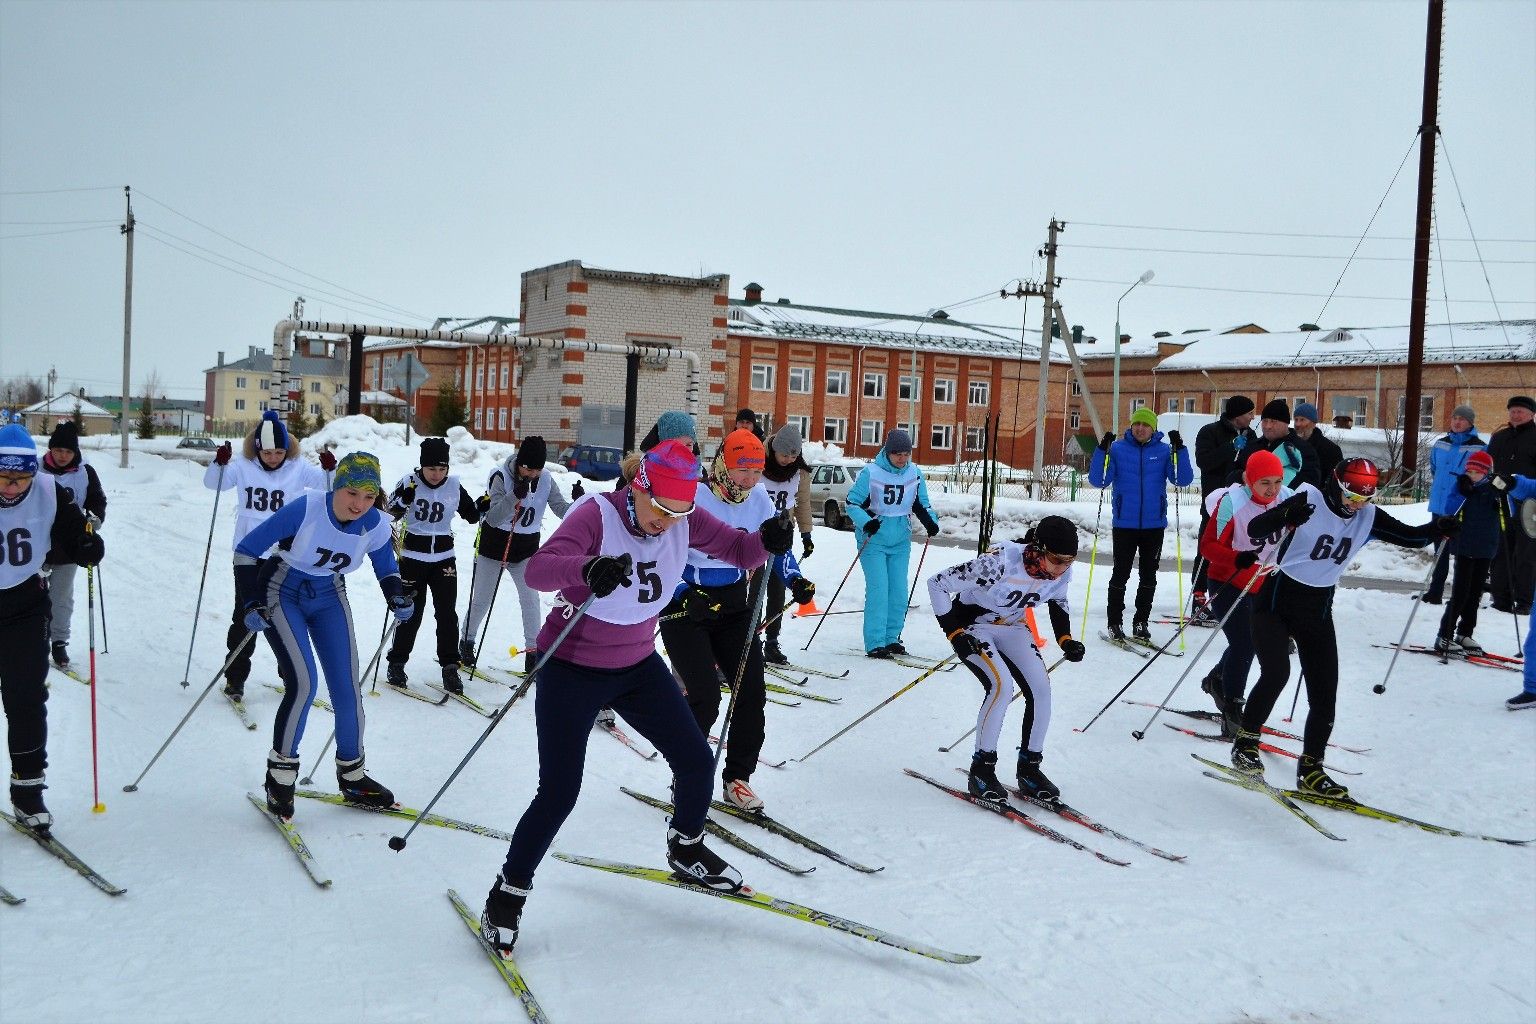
{"type": "Point", "coordinates": [1060, 561]}
{"type": "Point", "coordinates": [15, 479]}
{"type": "Point", "coordinates": [670, 513]}
{"type": "Point", "coordinates": [1355, 499]}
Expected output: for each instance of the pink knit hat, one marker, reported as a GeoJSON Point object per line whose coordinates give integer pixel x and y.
{"type": "Point", "coordinates": [669, 471]}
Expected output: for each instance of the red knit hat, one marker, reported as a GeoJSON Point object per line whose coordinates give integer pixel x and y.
{"type": "Point", "coordinates": [1261, 464]}
{"type": "Point", "coordinates": [1481, 459]}
{"type": "Point", "coordinates": [743, 450]}
{"type": "Point", "coordinates": [669, 471]}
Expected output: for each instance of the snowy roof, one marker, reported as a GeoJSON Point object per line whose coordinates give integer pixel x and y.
{"type": "Point", "coordinates": [64, 405]}
{"type": "Point", "coordinates": [788, 321]}
{"type": "Point", "coordinates": [300, 365]}
{"type": "Point", "coordinates": [369, 398]}
{"type": "Point", "coordinates": [1346, 346]}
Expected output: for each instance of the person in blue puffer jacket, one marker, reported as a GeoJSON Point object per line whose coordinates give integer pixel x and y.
{"type": "Point", "coordinates": [887, 491]}
{"type": "Point", "coordinates": [1139, 467]}
{"type": "Point", "coordinates": [1447, 461]}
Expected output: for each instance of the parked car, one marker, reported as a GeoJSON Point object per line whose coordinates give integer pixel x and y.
{"type": "Point", "coordinates": [199, 449]}
{"type": "Point", "coordinates": [830, 483]}
{"type": "Point", "coordinates": [594, 462]}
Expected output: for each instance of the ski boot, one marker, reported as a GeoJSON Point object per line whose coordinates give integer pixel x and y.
{"type": "Point", "coordinates": [233, 690]}
{"type": "Point", "coordinates": [772, 655]}
{"type": "Point", "coordinates": [60, 652]}
{"type": "Point", "coordinates": [467, 652]}
{"type": "Point", "coordinates": [394, 674]}
{"type": "Point", "coordinates": [1522, 701]}
{"type": "Point", "coordinates": [282, 774]}
{"type": "Point", "coordinates": [357, 788]}
{"type": "Point", "coordinates": [1245, 753]}
{"type": "Point", "coordinates": [1311, 778]}
{"type": "Point", "coordinates": [530, 662]}
{"type": "Point", "coordinates": [982, 782]}
{"type": "Point", "coordinates": [1232, 718]}
{"type": "Point", "coordinates": [27, 803]}
{"type": "Point", "coordinates": [1211, 684]}
{"type": "Point", "coordinates": [502, 914]}
{"type": "Point", "coordinates": [895, 648]}
{"type": "Point", "coordinates": [605, 718]}
{"type": "Point", "coordinates": [692, 861]}
{"type": "Point", "coordinates": [1470, 646]}
{"type": "Point", "coordinates": [451, 681]}
{"type": "Point", "coordinates": [738, 794]}
{"type": "Point", "coordinates": [1140, 631]}
{"type": "Point", "coordinates": [883, 653]}
{"type": "Point", "coordinates": [1032, 781]}
{"type": "Point", "coordinates": [1116, 632]}
{"type": "Point", "coordinates": [1445, 645]}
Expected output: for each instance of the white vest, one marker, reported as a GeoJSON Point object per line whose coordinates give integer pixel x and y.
{"type": "Point", "coordinates": [76, 481]}
{"type": "Point", "coordinates": [745, 515]}
{"type": "Point", "coordinates": [658, 566]}
{"type": "Point", "coordinates": [1244, 510]}
{"type": "Point", "coordinates": [892, 494]}
{"type": "Point", "coordinates": [1014, 592]}
{"type": "Point", "coordinates": [26, 531]}
{"type": "Point", "coordinates": [531, 506]}
{"type": "Point", "coordinates": [783, 494]}
{"type": "Point", "coordinates": [1320, 550]}
{"type": "Point", "coordinates": [319, 548]}
{"type": "Point", "coordinates": [432, 512]}
{"type": "Point", "coordinates": [260, 492]}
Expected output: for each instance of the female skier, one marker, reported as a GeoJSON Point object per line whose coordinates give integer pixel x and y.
{"type": "Point", "coordinates": [626, 549]}
{"type": "Point", "coordinates": [66, 466]}
{"type": "Point", "coordinates": [714, 628]}
{"type": "Point", "coordinates": [887, 491]}
{"type": "Point", "coordinates": [1327, 529]}
{"type": "Point", "coordinates": [981, 605]}
{"type": "Point", "coordinates": [299, 600]}
{"type": "Point", "coordinates": [787, 479]}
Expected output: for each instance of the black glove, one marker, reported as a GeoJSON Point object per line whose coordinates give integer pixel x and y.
{"type": "Point", "coordinates": [802, 589]}
{"type": "Point", "coordinates": [872, 527]}
{"type": "Point", "coordinates": [959, 616]}
{"type": "Point", "coordinates": [1503, 481]}
{"type": "Point", "coordinates": [90, 550]}
{"type": "Point", "coordinates": [1465, 486]}
{"type": "Point", "coordinates": [483, 505]}
{"type": "Point", "coordinates": [926, 518]}
{"type": "Point", "coordinates": [1175, 440]}
{"type": "Point", "coordinates": [1246, 559]}
{"type": "Point", "coordinates": [1297, 510]}
{"type": "Point", "coordinates": [699, 606]}
{"type": "Point", "coordinates": [577, 490]}
{"type": "Point", "coordinates": [1446, 526]}
{"type": "Point", "coordinates": [327, 460]}
{"type": "Point", "coordinates": [406, 495]}
{"type": "Point", "coordinates": [222, 456]}
{"type": "Point", "coordinates": [519, 486]}
{"type": "Point", "coordinates": [966, 644]}
{"type": "Point", "coordinates": [1073, 650]}
{"type": "Point", "coordinates": [605, 573]}
{"type": "Point", "coordinates": [1107, 440]}
{"type": "Point", "coordinates": [806, 547]}
{"type": "Point", "coordinates": [778, 534]}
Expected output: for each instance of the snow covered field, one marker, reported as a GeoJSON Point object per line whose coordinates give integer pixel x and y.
{"type": "Point", "coordinates": [1265, 921]}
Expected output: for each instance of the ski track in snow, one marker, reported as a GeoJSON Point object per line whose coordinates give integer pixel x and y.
{"type": "Point", "coordinates": [1266, 921]}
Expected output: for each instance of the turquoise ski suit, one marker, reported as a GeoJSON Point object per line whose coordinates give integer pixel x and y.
{"type": "Point", "coordinates": [885, 555]}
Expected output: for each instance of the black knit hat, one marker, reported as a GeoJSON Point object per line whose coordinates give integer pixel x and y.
{"type": "Point", "coordinates": [434, 452]}
{"type": "Point", "coordinates": [1236, 406]}
{"type": "Point", "coordinates": [1277, 409]}
{"type": "Point", "coordinates": [746, 414]}
{"type": "Point", "coordinates": [532, 453]}
{"type": "Point", "coordinates": [65, 435]}
{"type": "Point", "coordinates": [1055, 534]}
{"type": "Point", "coordinates": [1517, 402]}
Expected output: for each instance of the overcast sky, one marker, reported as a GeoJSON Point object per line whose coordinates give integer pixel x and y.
{"type": "Point", "coordinates": [410, 161]}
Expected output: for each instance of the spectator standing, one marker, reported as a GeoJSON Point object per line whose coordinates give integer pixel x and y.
{"type": "Point", "coordinates": [1514, 454]}
{"type": "Point", "coordinates": [1329, 455]}
{"type": "Point", "coordinates": [1447, 461]}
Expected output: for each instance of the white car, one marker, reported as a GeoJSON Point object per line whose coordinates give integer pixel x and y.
{"type": "Point", "coordinates": [830, 483]}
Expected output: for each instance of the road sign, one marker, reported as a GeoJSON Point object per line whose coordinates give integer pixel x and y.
{"type": "Point", "coordinates": [408, 374]}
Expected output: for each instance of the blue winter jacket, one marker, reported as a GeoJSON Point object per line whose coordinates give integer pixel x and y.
{"type": "Point", "coordinates": [895, 531]}
{"type": "Point", "coordinates": [1479, 515]}
{"type": "Point", "coordinates": [1140, 474]}
{"type": "Point", "coordinates": [1447, 461]}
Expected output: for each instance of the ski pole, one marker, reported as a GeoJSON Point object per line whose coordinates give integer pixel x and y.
{"type": "Point", "coordinates": [1509, 576]}
{"type": "Point", "coordinates": [310, 778]}
{"type": "Point", "coordinates": [1017, 694]}
{"type": "Point", "coordinates": [1300, 681]}
{"type": "Point", "coordinates": [1093, 557]}
{"type": "Point", "coordinates": [133, 787]}
{"type": "Point", "coordinates": [1178, 547]}
{"type": "Point", "coordinates": [97, 807]}
{"type": "Point", "coordinates": [1142, 732]}
{"type": "Point", "coordinates": [741, 666]}
{"type": "Point", "coordinates": [776, 615]}
{"type": "Point", "coordinates": [203, 582]}
{"type": "Point", "coordinates": [919, 574]}
{"type": "Point", "coordinates": [838, 591]}
{"type": "Point", "coordinates": [501, 570]}
{"type": "Point", "coordinates": [1381, 687]}
{"type": "Point", "coordinates": [877, 707]}
{"type": "Point", "coordinates": [397, 843]}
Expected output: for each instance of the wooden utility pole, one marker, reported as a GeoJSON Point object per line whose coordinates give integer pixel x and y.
{"type": "Point", "coordinates": [1428, 129]}
{"type": "Point", "coordinates": [127, 230]}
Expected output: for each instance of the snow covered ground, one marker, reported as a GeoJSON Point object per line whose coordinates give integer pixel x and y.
{"type": "Point", "coordinates": [1266, 921]}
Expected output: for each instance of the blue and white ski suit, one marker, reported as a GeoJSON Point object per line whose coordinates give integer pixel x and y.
{"type": "Point", "coordinates": [882, 491]}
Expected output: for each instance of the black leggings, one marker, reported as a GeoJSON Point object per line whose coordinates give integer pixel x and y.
{"type": "Point", "coordinates": [1288, 610]}
{"type": "Point", "coordinates": [701, 653]}
{"type": "Point", "coordinates": [1130, 545]}
{"type": "Point", "coordinates": [1238, 657]}
{"type": "Point", "coordinates": [1466, 595]}
{"type": "Point", "coordinates": [442, 580]}
{"type": "Point", "coordinates": [24, 612]}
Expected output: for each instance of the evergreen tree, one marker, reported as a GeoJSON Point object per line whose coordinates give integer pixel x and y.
{"type": "Point", "coordinates": [78, 418]}
{"type": "Point", "coordinates": [319, 423]}
{"type": "Point", "coordinates": [450, 410]}
{"type": "Point", "coordinates": [146, 421]}
{"type": "Point", "coordinates": [298, 423]}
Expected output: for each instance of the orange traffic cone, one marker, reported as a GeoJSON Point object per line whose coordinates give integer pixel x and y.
{"type": "Point", "coordinates": [808, 609]}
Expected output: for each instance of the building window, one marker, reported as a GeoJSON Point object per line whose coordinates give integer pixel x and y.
{"type": "Point", "coordinates": [1173, 405]}
{"type": "Point", "coordinates": [1426, 412]}
{"type": "Point", "coordinates": [800, 423]}
{"type": "Point", "coordinates": [834, 429]}
{"type": "Point", "coordinates": [1297, 400]}
{"type": "Point", "coordinates": [458, 376]}
{"type": "Point", "coordinates": [912, 432]}
{"type": "Point", "coordinates": [260, 405]}
{"type": "Point", "coordinates": [378, 376]}
{"type": "Point", "coordinates": [762, 376]}
{"type": "Point", "coordinates": [239, 405]}
{"type": "Point", "coordinates": [979, 392]}
{"type": "Point", "coordinates": [314, 387]}
{"type": "Point", "coordinates": [1076, 419]}
{"type": "Point", "coordinates": [837, 382]}
{"type": "Point", "coordinates": [872, 432]}
{"type": "Point", "coordinates": [239, 382]}
{"type": "Point", "coordinates": [973, 438]}
{"type": "Point", "coordinates": [1138, 403]}
{"type": "Point", "coordinates": [1077, 386]}
{"type": "Point", "coordinates": [904, 388]}
{"type": "Point", "coordinates": [314, 408]}
{"type": "Point", "coordinates": [479, 416]}
{"type": "Point", "coordinates": [944, 392]}
{"type": "Point", "coordinates": [501, 419]}
{"type": "Point", "coordinates": [1189, 405]}
{"type": "Point", "coordinates": [266, 385]}
{"type": "Point", "coordinates": [1353, 406]}
{"type": "Point", "coordinates": [505, 373]}
{"type": "Point", "coordinates": [874, 386]}
{"type": "Point", "coordinates": [800, 380]}
{"type": "Point", "coordinates": [942, 437]}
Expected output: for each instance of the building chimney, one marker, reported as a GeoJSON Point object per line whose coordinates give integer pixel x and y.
{"type": "Point", "coordinates": [754, 292]}
{"type": "Point", "coordinates": [252, 353]}
{"type": "Point", "coordinates": [221, 359]}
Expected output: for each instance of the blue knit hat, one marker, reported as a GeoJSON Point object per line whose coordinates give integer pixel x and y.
{"type": "Point", "coordinates": [675, 424]}
{"type": "Point", "coordinates": [270, 432]}
{"type": "Point", "coordinates": [898, 442]}
{"type": "Point", "coordinates": [1306, 411]}
{"type": "Point", "coordinates": [18, 452]}
{"type": "Point", "coordinates": [359, 470]}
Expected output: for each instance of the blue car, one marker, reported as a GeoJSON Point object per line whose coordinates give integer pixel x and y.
{"type": "Point", "coordinates": [594, 462]}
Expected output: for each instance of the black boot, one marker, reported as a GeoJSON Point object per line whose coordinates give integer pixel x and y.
{"type": "Point", "coordinates": [1245, 753]}
{"type": "Point", "coordinates": [282, 774]}
{"type": "Point", "coordinates": [27, 803]}
{"type": "Point", "coordinates": [502, 914]}
{"type": "Point", "coordinates": [1211, 684]}
{"type": "Point", "coordinates": [694, 862]}
{"type": "Point", "coordinates": [982, 782]}
{"type": "Point", "coordinates": [451, 681]}
{"type": "Point", "coordinates": [1032, 781]}
{"type": "Point", "coordinates": [60, 652]}
{"type": "Point", "coordinates": [772, 655]}
{"type": "Point", "coordinates": [1232, 718]}
{"type": "Point", "coordinates": [357, 788]}
{"type": "Point", "coordinates": [1140, 631]}
{"type": "Point", "coordinates": [394, 674]}
{"type": "Point", "coordinates": [467, 652]}
{"type": "Point", "coordinates": [1311, 778]}
{"type": "Point", "coordinates": [530, 660]}
{"type": "Point", "coordinates": [1116, 631]}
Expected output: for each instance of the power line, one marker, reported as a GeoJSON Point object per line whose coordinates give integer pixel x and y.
{"type": "Point", "coordinates": [61, 231]}
{"type": "Point", "coordinates": [1299, 295]}
{"type": "Point", "coordinates": [1284, 234]}
{"type": "Point", "coordinates": [54, 191]}
{"type": "Point", "coordinates": [1279, 255]}
{"type": "Point", "coordinates": [112, 220]}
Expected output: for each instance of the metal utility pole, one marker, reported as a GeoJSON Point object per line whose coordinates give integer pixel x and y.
{"type": "Point", "coordinates": [1042, 393]}
{"type": "Point", "coordinates": [127, 231]}
{"type": "Point", "coordinates": [1428, 129]}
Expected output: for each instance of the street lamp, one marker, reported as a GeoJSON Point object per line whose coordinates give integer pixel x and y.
{"type": "Point", "coordinates": [1143, 279]}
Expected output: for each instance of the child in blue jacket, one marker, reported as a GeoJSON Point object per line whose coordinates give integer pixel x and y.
{"type": "Point", "coordinates": [887, 491]}
{"type": "Point", "coordinates": [1139, 468]}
